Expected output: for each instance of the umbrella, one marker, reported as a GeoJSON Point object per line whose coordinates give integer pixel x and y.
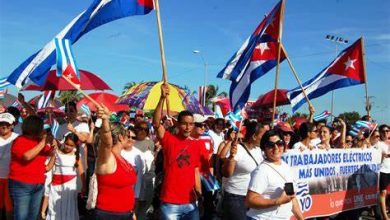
{"type": "Point", "coordinates": [89, 81]}
{"type": "Point", "coordinates": [8, 100]}
{"type": "Point", "coordinates": [146, 96]}
{"type": "Point", "coordinates": [56, 112]}
{"type": "Point", "coordinates": [109, 100]}
{"type": "Point", "coordinates": [56, 103]}
{"type": "Point", "coordinates": [267, 99]}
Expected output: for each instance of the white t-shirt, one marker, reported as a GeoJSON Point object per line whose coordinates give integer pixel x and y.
{"type": "Point", "coordinates": [135, 158]}
{"type": "Point", "coordinates": [81, 127]}
{"type": "Point", "coordinates": [5, 154]}
{"type": "Point", "coordinates": [267, 182]}
{"type": "Point", "coordinates": [385, 149]}
{"type": "Point", "coordinates": [238, 183]}
{"type": "Point", "coordinates": [217, 139]}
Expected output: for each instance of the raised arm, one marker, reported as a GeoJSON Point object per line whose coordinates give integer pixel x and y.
{"type": "Point", "coordinates": [30, 110]}
{"type": "Point", "coordinates": [105, 146]}
{"type": "Point", "coordinates": [230, 163]}
{"type": "Point", "coordinates": [312, 111]}
{"type": "Point", "coordinates": [160, 130]}
{"type": "Point", "coordinates": [343, 133]}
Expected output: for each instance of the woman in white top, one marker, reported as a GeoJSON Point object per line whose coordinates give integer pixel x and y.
{"type": "Point", "coordinates": [266, 196]}
{"type": "Point", "coordinates": [243, 159]}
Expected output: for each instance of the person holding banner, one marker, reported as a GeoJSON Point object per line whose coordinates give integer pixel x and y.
{"type": "Point", "coordinates": [271, 193]}
{"type": "Point", "coordinates": [243, 158]}
{"type": "Point", "coordinates": [384, 172]}
{"type": "Point", "coordinates": [308, 133]}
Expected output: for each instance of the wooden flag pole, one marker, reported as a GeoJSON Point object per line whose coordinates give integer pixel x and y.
{"type": "Point", "coordinates": [278, 61]}
{"type": "Point", "coordinates": [162, 51]}
{"type": "Point", "coordinates": [365, 77]}
{"type": "Point", "coordinates": [296, 76]}
{"type": "Point", "coordinates": [81, 91]}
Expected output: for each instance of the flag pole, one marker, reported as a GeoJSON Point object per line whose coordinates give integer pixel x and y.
{"type": "Point", "coordinates": [80, 90]}
{"type": "Point", "coordinates": [296, 76]}
{"type": "Point", "coordinates": [162, 51]}
{"type": "Point", "coordinates": [278, 61]}
{"type": "Point", "coordinates": [365, 77]}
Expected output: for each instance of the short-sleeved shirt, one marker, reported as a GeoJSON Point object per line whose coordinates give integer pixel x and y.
{"type": "Point", "coordinates": [5, 154]}
{"type": "Point", "coordinates": [217, 140]}
{"type": "Point", "coordinates": [181, 157]}
{"type": "Point", "coordinates": [268, 183]}
{"type": "Point", "coordinates": [33, 171]}
{"type": "Point", "coordinates": [238, 183]}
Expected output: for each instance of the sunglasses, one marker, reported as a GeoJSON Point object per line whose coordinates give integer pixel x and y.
{"type": "Point", "coordinates": [315, 131]}
{"type": "Point", "coordinates": [141, 129]}
{"type": "Point", "coordinates": [200, 125]}
{"type": "Point", "coordinates": [270, 144]}
{"type": "Point", "coordinates": [348, 141]}
{"type": "Point", "coordinates": [132, 137]}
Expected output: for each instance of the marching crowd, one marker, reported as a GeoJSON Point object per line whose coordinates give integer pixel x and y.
{"type": "Point", "coordinates": [113, 166]}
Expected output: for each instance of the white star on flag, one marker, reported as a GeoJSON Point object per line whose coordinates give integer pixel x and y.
{"type": "Point", "coordinates": [262, 47]}
{"type": "Point", "coordinates": [349, 63]}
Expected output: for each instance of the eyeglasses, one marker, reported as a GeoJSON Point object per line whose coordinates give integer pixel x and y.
{"type": "Point", "coordinates": [200, 125]}
{"type": "Point", "coordinates": [348, 141]}
{"type": "Point", "coordinates": [270, 144]}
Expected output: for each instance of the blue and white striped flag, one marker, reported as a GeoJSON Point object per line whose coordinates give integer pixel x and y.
{"type": "Point", "coordinates": [45, 99]}
{"type": "Point", "coordinates": [235, 119]}
{"type": "Point", "coordinates": [4, 83]}
{"type": "Point", "coordinates": [64, 56]}
{"type": "Point", "coordinates": [54, 128]}
{"type": "Point", "coordinates": [209, 182]}
{"type": "Point", "coordinates": [15, 104]}
{"type": "Point", "coordinates": [85, 109]}
{"type": "Point", "coordinates": [325, 114]}
{"type": "Point", "coordinates": [361, 126]}
{"type": "Point", "coordinates": [100, 12]}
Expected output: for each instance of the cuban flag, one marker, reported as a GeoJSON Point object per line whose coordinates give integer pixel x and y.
{"type": "Point", "coordinates": [235, 119]}
{"type": "Point", "coordinates": [209, 182]}
{"type": "Point", "coordinates": [4, 83]}
{"type": "Point", "coordinates": [256, 57]}
{"type": "Point", "coordinates": [43, 102]}
{"type": "Point", "coordinates": [54, 128]}
{"type": "Point", "coordinates": [346, 70]}
{"type": "Point", "coordinates": [361, 126]}
{"type": "Point", "coordinates": [85, 109]}
{"type": "Point", "coordinates": [66, 64]}
{"type": "Point", "coordinates": [325, 114]}
{"type": "Point", "coordinates": [100, 12]}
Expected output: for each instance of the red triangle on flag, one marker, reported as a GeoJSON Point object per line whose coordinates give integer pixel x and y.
{"type": "Point", "coordinates": [350, 64]}
{"type": "Point", "coordinates": [71, 75]}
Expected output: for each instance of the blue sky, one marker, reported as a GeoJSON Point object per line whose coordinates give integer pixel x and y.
{"type": "Point", "coordinates": [128, 50]}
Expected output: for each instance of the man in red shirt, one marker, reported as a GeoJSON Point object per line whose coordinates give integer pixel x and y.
{"type": "Point", "coordinates": [181, 185]}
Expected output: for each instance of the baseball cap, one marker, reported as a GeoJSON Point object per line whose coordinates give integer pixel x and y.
{"type": "Point", "coordinates": [7, 117]}
{"type": "Point", "coordinates": [199, 118]}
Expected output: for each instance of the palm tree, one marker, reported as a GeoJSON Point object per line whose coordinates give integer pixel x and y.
{"type": "Point", "coordinates": [66, 96]}
{"type": "Point", "coordinates": [128, 86]}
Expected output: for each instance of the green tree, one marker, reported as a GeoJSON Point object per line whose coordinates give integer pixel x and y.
{"type": "Point", "coordinates": [66, 96]}
{"type": "Point", "coordinates": [350, 117]}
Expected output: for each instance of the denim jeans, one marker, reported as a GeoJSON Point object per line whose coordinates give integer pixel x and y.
{"type": "Point", "coordinates": [26, 199]}
{"type": "Point", "coordinates": [233, 207]}
{"type": "Point", "coordinates": [104, 215]}
{"type": "Point", "coordinates": [179, 212]}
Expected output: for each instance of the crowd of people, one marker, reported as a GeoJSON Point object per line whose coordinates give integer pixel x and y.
{"type": "Point", "coordinates": [123, 166]}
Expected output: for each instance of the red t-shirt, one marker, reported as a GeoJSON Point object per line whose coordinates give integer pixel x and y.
{"type": "Point", "coordinates": [206, 150]}
{"type": "Point", "coordinates": [181, 157]}
{"type": "Point", "coordinates": [33, 171]}
{"type": "Point", "coordinates": [115, 190]}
